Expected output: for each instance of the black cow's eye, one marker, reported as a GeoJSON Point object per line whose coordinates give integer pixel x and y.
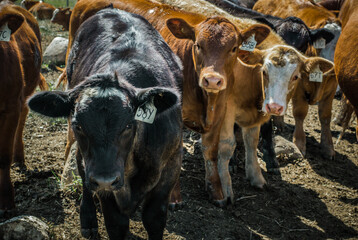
{"type": "Point", "coordinates": [78, 128]}
{"type": "Point", "coordinates": [129, 126]}
{"type": "Point", "coordinates": [234, 49]}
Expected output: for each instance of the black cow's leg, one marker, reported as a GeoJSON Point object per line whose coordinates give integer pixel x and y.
{"type": "Point", "coordinates": [269, 155]}
{"type": "Point", "coordinates": [154, 214]}
{"type": "Point", "coordinates": [117, 224]}
{"type": "Point", "coordinates": [88, 218]}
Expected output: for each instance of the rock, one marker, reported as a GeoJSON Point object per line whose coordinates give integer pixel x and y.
{"type": "Point", "coordinates": [56, 52]}
{"type": "Point", "coordinates": [70, 171]}
{"type": "Point", "coordinates": [287, 148]}
{"type": "Point", "coordinates": [24, 227]}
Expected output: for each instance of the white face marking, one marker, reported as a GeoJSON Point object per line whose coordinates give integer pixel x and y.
{"type": "Point", "coordinates": [151, 11]}
{"type": "Point", "coordinates": [54, 13]}
{"type": "Point", "coordinates": [98, 92]}
{"type": "Point", "coordinates": [279, 77]}
{"type": "Point", "coordinates": [328, 51]}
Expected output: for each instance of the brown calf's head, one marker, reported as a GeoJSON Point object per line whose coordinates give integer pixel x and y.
{"type": "Point", "coordinates": [61, 15]}
{"type": "Point", "coordinates": [216, 43]}
{"type": "Point", "coordinates": [12, 18]}
{"type": "Point", "coordinates": [282, 67]}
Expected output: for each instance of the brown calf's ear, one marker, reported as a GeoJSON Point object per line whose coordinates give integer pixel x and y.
{"type": "Point", "coordinates": [180, 28]}
{"type": "Point", "coordinates": [13, 20]}
{"type": "Point", "coordinates": [312, 63]}
{"type": "Point", "coordinates": [261, 32]}
{"type": "Point", "coordinates": [250, 58]}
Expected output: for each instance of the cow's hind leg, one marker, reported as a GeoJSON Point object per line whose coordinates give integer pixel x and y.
{"type": "Point", "coordinates": [300, 110]}
{"type": "Point", "coordinates": [117, 224]}
{"type": "Point", "coordinates": [8, 125]}
{"type": "Point", "coordinates": [19, 158]}
{"type": "Point", "coordinates": [269, 155]}
{"type": "Point", "coordinates": [88, 218]}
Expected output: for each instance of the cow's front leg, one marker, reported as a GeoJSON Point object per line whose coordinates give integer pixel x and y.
{"type": "Point", "coordinates": [210, 146]}
{"type": "Point", "coordinates": [269, 155]}
{"type": "Point", "coordinates": [19, 157]}
{"type": "Point", "coordinates": [300, 109]}
{"type": "Point", "coordinates": [117, 223]}
{"type": "Point", "coordinates": [88, 218]}
{"type": "Point", "coordinates": [325, 114]}
{"type": "Point", "coordinates": [8, 125]}
{"type": "Point", "coordinates": [252, 167]}
{"type": "Point", "coordinates": [154, 214]}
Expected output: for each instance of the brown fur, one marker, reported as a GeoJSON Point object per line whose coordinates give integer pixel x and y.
{"type": "Point", "coordinates": [62, 17]}
{"type": "Point", "coordinates": [345, 58]}
{"type": "Point", "coordinates": [42, 10]}
{"type": "Point", "coordinates": [27, 4]}
{"type": "Point", "coordinates": [20, 64]}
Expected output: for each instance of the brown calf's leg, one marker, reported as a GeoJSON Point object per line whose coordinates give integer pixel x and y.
{"type": "Point", "coordinates": [210, 142]}
{"type": "Point", "coordinates": [325, 114]}
{"type": "Point", "coordinates": [19, 157]}
{"type": "Point", "coordinates": [70, 140]}
{"type": "Point", "coordinates": [300, 110]}
{"type": "Point", "coordinates": [8, 125]}
{"type": "Point", "coordinates": [252, 167]}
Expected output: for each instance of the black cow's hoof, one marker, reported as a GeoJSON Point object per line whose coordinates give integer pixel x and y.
{"type": "Point", "coordinates": [90, 233]}
{"type": "Point", "coordinates": [274, 171]}
{"type": "Point", "coordinates": [220, 203]}
{"type": "Point", "coordinates": [173, 206]}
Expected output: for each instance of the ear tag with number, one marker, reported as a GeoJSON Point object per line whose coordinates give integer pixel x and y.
{"type": "Point", "coordinates": [5, 33]}
{"type": "Point", "coordinates": [320, 43]}
{"type": "Point", "coordinates": [249, 44]}
{"type": "Point", "coordinates": [316, 75]}
{"type": "Point", "coordinates": [146, 113]}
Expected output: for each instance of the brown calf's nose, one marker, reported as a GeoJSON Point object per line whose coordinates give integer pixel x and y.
{"type": "Point", "coordinates": [274, 108]}
{"type": "Point", "coordinates": [213, 82]}
{"type": "Point", "coordinates": [102, 183]}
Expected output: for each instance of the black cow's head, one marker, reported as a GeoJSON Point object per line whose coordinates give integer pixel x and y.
{"type": "Point", "coordinates": [295, 33]}
{"type": "Point", "coordinates": [102, 111]}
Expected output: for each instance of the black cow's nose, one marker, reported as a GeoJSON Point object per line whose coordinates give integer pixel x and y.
{"type": "Point", "coordinates": [103, 183]}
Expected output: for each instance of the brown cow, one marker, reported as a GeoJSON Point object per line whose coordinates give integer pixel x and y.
{"type": "Point", "coordinates": [42, 10]}
{"type": "Point", "coordinates": [62, 17]}
{"type": "Point", "coordinates": [345, 58]}
{"type": "Point", "coordinates": [19, 80]}
{"type": "Point", "coordinates": [27, 4]}
{"type": "Point", "coordinates": [281, 68]}
{"type": "Point", "coordinates": [308, 92]}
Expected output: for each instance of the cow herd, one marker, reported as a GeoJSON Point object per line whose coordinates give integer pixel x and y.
{"type": "Point", "coordinates": [138, 71]}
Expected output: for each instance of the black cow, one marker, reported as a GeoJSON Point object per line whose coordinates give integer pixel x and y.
{"type": "Point", "coordinates": [120, 71]}
{"type": "Point", "coordinates": [292, 29]}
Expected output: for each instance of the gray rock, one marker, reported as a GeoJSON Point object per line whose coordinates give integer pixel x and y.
{"type": "Point", "coordinates": [287, 148]}
{"type": "Point", "coordinates": [24, 227]}
{"type": "Point", "coordinates": [56, 52]}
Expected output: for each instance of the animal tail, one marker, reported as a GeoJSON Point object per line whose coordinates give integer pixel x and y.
{"type": "Point", "coordinates": [43, 84]}
{"type": "Point", "coordinates": [62, 78]}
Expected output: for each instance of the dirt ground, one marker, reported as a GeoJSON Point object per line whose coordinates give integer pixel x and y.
{"type": "Point", "coordinates": [313, 198]}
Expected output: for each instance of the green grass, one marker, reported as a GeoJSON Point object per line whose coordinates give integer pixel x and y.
{"type": "Point", "coordinates": [57, 3]}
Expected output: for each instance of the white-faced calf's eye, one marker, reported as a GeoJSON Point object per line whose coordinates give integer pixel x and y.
{"type": "Point", "coordinates": [264, 73]}
{"type": "Point", "coordinates": [295, 78]}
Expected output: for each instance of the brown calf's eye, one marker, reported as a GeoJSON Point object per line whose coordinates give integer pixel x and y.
{"type": "Point", "coordinates": [234, 49]}
{"type": "Point", "coordinates": [197, 46]}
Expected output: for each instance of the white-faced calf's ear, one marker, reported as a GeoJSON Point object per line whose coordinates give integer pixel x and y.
{"type": "Point", "coordinates": [313, 63]}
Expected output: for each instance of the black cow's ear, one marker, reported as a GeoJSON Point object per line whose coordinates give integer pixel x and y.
{"type": "Point", "coordinates": [51, 103]}
{"type": "Point", "coordinates": [162, 98]}
{"type": "Point", "coordinates": [321, 33]}
{"type": "Point", "coordinates": [180, 28]}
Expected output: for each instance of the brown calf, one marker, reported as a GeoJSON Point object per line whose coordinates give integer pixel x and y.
{"type": "Point", "coordinates": [345, 59]}
{"type": "Point", "coordinates": [308, 92]}
{"type": "Point", "coordinates": [27, 4]}
{"type": "Point", "coordinates": [19, 80]}
{"type": "Point", "coordinates": [42, 10]}
{"type": "Point", "coordinates": [62, 17]}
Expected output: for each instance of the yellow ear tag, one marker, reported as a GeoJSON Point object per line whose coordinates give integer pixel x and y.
{"type": "Point", "coordinates": [316, 75]}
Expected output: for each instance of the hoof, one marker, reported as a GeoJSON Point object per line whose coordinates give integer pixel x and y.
{"type": "Point", "coordinates": [220, 203]}
{"type": "Point", "coordinates": [173, 206]}
{"type": "Point", "coordinates": [259, 184]}
{"type": "Point", "coordinates": [90, 233]}
{"type": "Point", "coordinates": [274, 171]}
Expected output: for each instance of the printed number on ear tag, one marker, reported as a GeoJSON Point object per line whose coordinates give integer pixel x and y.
{"type": "Point", "coordinates": [146, 113]}
{"type": "Point", "coordinates": [249, 44]}
{"type": "Point", "coordinates": [316, 75]}
{"type": "Point", "coordinates": [5, 33]}
{"type": "Point", "coordinates": [320, 43]}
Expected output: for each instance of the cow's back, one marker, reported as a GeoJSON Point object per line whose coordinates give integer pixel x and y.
{"type": "Point", "coordinates": [112, 42]}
